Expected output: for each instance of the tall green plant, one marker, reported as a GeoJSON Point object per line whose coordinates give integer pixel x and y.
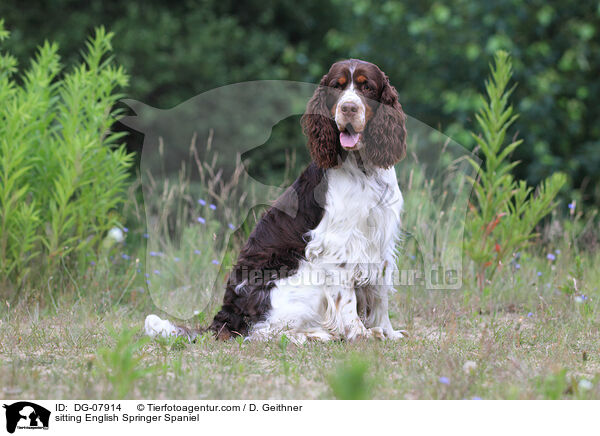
{"type": "Point", "coordinates": [506, 212]}
{"type": "Point", "coordinates": [62, 175]}
{"type": "Point", "coordinates": [122, 364]}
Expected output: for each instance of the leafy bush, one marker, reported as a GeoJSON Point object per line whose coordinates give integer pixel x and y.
{"type": "Point", "coordinates": [61, 173]}
{"type": "Point", "coordinates": [506, 213]}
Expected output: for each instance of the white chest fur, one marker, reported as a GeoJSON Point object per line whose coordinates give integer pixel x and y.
{"type": "Point", "coordinates": [349, 257]}
{"type": "Point", "coordinates": [360, 223]}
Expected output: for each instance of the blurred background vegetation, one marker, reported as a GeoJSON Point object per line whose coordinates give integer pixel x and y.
{"type": "Point", "coordinates": [436, 53]}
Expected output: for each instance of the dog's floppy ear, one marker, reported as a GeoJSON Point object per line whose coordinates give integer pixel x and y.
{"type": "Point", "coordinates": [319, 128]}
{"type": "Point", "coordinates": [386, 132]}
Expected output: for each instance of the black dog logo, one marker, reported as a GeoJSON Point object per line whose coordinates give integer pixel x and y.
{"type": "Point", "coordinates": [33, 416]}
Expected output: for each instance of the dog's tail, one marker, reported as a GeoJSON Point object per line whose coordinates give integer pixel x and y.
{"type": "Point", "coordinates": [155, 326]}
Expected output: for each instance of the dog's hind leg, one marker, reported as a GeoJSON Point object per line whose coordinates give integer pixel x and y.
{"type": "Point", "coordinates": [155, 326]}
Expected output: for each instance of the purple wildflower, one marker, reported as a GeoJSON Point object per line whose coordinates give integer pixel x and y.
{"type": "Point", "coordinates": [125, 229]}
{"type": "Point", "coordinates": [572, 205]}
{"type": "Point", "coordinates": [146, 235]}
{"type": "Point", "coordinates": [231, 226]}
{"type": "Point", "coordinates": [557, 251]}
{"type": "Point", "coordinates": [530, 314]}
{"type": "Point", "coordinates": [476, 398]}
{"type": "Point", "coordinates": [212, 206]}
{"type": "Point", "coordinates": [196, 251]}
{"type": "Point", "coordinates": [148, 282]}
{"type": "Point", "coordinates": [201, 220]}
{"type": "Point", "coordinates": [215, 261]}
{"type": "Point", "coordinates": [444, 380]}
{"type": "Point", "coordinates": [176, 259]}
{"type": "Point", "coordinates": [153, 253]}
{"type": "Point", "coordinates": [518, 266]}
{"type": "Point", "coordinates": [125, 256]}
{"type": "Point", "coordinates": [157, 272]}
{"type": "Point", "coordinates": [92, 263]}
{"type": "Point", "coordinates": [551, 256]}
{"type": "Point", "coordinates": [146, 275]}
{"type": "Point", "coordinates": [201, 202]}
{"type": "Point", "coordinates": [539, 273]}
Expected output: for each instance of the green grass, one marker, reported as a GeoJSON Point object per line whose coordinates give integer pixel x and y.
{"type": "Point", "coordinates": [86, 349]}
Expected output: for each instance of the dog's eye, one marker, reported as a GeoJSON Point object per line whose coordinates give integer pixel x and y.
{"type": "Point", "coordinates": [366, 87]}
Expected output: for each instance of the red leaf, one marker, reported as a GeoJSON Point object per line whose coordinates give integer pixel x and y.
{"type": "Point", "coordinates": [492, 225]}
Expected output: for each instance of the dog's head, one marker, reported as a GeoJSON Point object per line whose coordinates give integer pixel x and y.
{"type": "Point", "coordinates": [355, 109]}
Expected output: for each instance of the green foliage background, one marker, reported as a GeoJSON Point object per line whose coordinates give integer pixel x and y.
{"type": "Point", "coordinates": [61, 176]}
{"type": "Point", "coordinates": [436, 53]}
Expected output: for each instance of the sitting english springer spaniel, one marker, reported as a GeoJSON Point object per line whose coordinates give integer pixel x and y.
{"type": "Point", "coordinates": [325, 271]}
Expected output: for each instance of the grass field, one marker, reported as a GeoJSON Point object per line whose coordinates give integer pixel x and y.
{"type": "Point", "coordinates": [530, 338]}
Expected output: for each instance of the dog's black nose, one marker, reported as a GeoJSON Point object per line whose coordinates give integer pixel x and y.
{"type": "Point", "coordinates": [349, 108]}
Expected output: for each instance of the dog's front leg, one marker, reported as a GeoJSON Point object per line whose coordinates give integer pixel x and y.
{"type": "Point", "coordinates": [341, 315]}
{"type": "Point", "coordinates": [378, 318]}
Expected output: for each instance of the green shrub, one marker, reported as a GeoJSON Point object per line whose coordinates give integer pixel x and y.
{"type": "Point", "coordinates": [61, 174]}
{"type": "Point", "coordinates": [505, 214]}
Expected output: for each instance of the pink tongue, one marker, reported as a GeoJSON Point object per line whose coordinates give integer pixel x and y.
{"type": "Point", "coordinates": [349, 140]}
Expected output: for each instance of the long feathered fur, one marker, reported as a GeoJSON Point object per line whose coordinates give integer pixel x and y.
{"type": "Point", "coordinates": [387, 130]}
{"type": "Point", "coordinates": [320, 129]}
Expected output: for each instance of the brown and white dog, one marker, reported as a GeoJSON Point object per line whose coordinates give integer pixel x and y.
{"type": "Point", "coordinates": [327, 271]}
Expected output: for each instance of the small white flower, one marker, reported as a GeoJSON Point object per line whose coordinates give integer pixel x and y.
{"type": "Point", "coordinates": [579, 299]}
{"type": "Point", "coordinates": [469, 366]}
{"type": "Point", "coordinates": [585, 385]}
{"type": "Point", "coordinates": [116, 234]}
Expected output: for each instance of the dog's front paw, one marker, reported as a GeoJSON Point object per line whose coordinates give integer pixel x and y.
{"type": "Point", "coordinates": [357, 331]}
{"type": "Point", "coordinates": [381, 333]}
{"type": "Point", "coordinates": [396, 334]}
{"type": "Point", "coordinates": [377, 332]}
